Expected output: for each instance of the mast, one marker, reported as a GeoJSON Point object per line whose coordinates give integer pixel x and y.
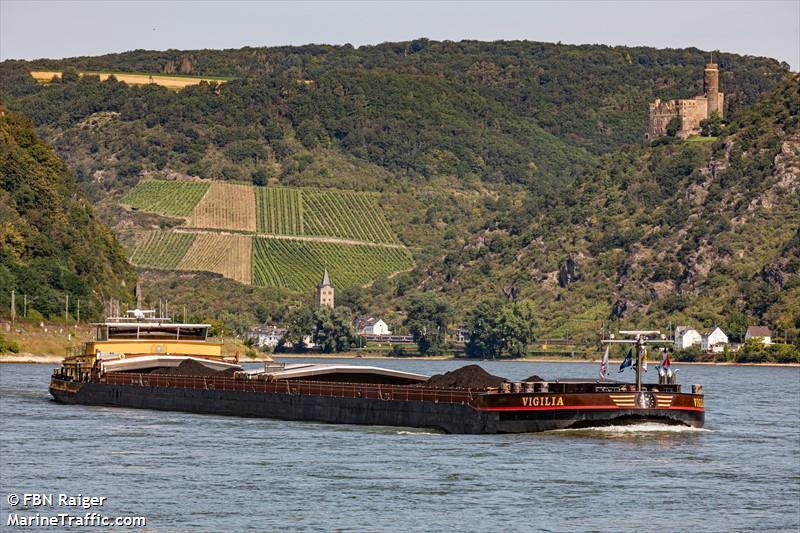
{"type": "Point", "coordinates": [639, 346]}
{"type": "Point", "coordinates": [639, 340]}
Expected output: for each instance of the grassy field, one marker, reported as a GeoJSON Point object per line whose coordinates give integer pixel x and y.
{"type": "Point", "coordinates": [171, 81]}
{"type": "Point", "coordinates": [298, 264]}
{"type": "Point", "coordinates": [172, 198]}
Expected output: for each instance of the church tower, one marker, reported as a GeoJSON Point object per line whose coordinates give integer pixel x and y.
{"type": "Point", "coordinates": [325, 291]}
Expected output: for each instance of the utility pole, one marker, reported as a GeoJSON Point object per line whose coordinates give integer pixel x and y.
{"type": "Point", "coordinates": [13, 307]}
{"type": "Point", "coordinates": [79, 311]}
{"type": "Point", "coordinates": [184, 314]}
{"type": "Point", "coordinates": [66, 310]}
{"type": "Point", "coordinates": [25, 305]}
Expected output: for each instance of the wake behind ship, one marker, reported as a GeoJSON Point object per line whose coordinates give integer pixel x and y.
{"type": "Point", "coordinates": [142, 361]}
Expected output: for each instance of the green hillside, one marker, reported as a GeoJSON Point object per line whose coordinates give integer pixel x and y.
{"type": "Point", "coordinates": [51, 244]}
{"type": "Point", "coordinates": [514, 168]}
{"type": "Point", "coordinates": [704, 233]}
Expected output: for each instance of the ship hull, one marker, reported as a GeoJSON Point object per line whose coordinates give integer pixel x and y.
{"type": "Point", "coordinates": [490, 413]}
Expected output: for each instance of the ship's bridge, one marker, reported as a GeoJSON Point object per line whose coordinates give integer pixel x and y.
{"type": "Point", "coordinates": [143, 324]}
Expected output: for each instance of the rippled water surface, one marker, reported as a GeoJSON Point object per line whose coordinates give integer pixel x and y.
{"type": "Point", "coordinates": [187, 472]}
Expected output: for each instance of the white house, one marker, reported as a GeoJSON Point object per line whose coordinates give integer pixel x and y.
{"type": "Point", "coordinates": [460, 334]}
{"type": "Point", "coordinates": [267, 335]}
{"type": "Point", "coordinates": [372, 326]}
{"type": "Point", "coordinates": [686, 337]}
{"type": "Point", "coordinates": [761, 333]}
{"type": "Point", "coordinates": [714, 340]}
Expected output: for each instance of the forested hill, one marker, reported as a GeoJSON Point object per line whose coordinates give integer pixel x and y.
{"type": "Point", "coordinates": [501, 112]}
{"type": "Point", "coordinates": [51, 244]}
{"type": "Point", "coordinates": [688, 232]}
{"type": "Point", "coordinates": [514, 167]}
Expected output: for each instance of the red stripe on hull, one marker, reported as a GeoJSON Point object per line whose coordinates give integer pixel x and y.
{"type": "Point", "coordinates": [584, 408]}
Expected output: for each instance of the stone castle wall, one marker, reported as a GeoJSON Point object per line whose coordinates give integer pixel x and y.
{"type": "Point", "coordinates": [691, 110]}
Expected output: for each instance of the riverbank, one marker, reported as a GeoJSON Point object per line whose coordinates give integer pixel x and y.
{"type": "Point", "coordinates": [30, 358]}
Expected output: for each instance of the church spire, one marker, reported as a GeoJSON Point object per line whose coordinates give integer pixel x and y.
{"type": "Point", "coordinates": [326, 280]}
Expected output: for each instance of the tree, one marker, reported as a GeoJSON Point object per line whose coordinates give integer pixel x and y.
{"type": "Point", "coordinates": [712, 126]}
{"type": "Point", "coordinates": [299, 323]}
{"type": "Point", "coordinates": [427, 319]}
{"type": "Point", "coordinates": [332, 329]}
{"type": "Point", "coordinates": [481, 326]}
{"type": "Point", "coordinates": [674, 126]}
{"type": "Point", "coordinates": [260, 177]}
{"type": "Point", "coordinates": [516, 326]}
{"type": "Point", "coordinates": [496, 329]}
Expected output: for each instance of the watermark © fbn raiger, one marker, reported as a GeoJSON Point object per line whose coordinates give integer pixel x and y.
{"type": "Point", "coordinates": [68, 510]}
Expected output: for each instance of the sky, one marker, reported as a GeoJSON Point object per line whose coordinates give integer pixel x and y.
{"type": "Point", "coordinates": [32, 29]}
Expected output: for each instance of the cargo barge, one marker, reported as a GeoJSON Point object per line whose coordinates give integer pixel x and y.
{"type": "Point", "coordinates": [143, 362]}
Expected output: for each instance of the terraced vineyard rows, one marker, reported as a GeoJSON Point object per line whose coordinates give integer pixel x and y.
{"type": "Point", "coordinates": [298, 264]}
{"type": "Point", "coordinates": [347, 215]}
{"type": "Point", "coordinates": [176, 198]}
{"type": "Point", "coordinates": [226, 206]}
{"type": "Point", "coordinates": [229, 255]}
{"type": "Point", "coordinates": [279, 211]}
{"type": "Point", "coordinates": [161, 249]}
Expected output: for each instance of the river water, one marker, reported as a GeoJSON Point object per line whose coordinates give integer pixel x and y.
{"type": "Point", "coordinates": [186, 472]}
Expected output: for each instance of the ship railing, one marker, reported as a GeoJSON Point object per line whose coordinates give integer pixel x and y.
{"type": "Point", "coordinates": [309, 388]}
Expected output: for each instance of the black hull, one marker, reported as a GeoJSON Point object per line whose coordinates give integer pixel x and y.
{"type": "Point", "coordinates": [444, 416]}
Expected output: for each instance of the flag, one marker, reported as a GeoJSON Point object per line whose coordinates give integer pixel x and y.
{"type": "Point", "coordinates": [604, 365]}
{"type": "Point", "coordinates": [627, 362]}
{"type": "Point", "coordinates": [644, 358]}
{"type": "Point", "coordinates": [665, 362]}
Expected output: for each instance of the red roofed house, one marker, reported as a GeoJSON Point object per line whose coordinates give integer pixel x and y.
{"type": "Point", "coordinates": [761, 333]}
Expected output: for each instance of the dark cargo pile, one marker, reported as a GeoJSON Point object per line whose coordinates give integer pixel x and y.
{"type": "Point", "coordinates": [190, 367]}
{"type": "Point", "coordinates": [466, 377]}
{"type": "Point", "coordinates": [533, 378]}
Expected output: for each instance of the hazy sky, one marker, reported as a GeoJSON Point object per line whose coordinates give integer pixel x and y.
{"type": "Point", "coordinates": [31, 29]}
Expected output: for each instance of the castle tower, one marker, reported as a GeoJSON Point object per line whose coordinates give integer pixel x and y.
{"type": "Point", "coordinates": [711, 88]}
{"type": "Point", "coordinates": [325, 291]}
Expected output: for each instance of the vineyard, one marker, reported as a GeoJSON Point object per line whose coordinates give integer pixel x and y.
{"type": "Point", "coordinates": [279, 210]}
{"type": "Point", "coordinates": [226, 206]}
{"type": "Point", "coordinates": [348, 215]}
{"type": "Point", "coordinates": [229, 255]}
{"type": "Point", "coordinates": [160, 249]}
{"type": "Point", "coordinates": [298, 264]}
{"type": "Point", "coordinates": [266, 210]}
{"type": "Point", "coordinates": [251, 256]}
{"type": "Point", "coordinates": [176, 198]}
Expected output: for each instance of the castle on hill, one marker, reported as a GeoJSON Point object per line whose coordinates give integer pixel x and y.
{"type": "Point", "coordinates": [691, 111]}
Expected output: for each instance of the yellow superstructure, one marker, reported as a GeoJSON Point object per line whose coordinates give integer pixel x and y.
{"type": "Point", "coordinates": [153, 346]}
{"type": "Point", "coordinates": [142, 336]}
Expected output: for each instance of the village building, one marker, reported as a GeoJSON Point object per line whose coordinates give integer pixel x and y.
{"type": "Point", "coordinates": [371, 326]}
{"type": "Point", "coordinates": [759, 333]}
{"type": "Point", "coordinates": [460, 334]}
{"type": "Point", "coordinates": [267, 336]}
{"type": "Point", "coordinates": [714, 340]}
{"type": "Point", "coordinates": [686, 337]}
{"type": "Point", "coordinates": [691, 111]}
{"type": "Point", "coordinates": [325, 291]}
